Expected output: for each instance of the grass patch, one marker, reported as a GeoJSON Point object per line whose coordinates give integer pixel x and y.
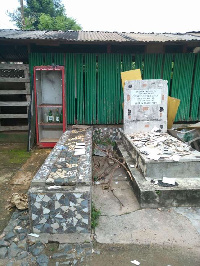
{"type": "Point", "coordinates": [94, 216]}
{"type": "Point", "coordinates": [15, 155]}
{"type": "Point", "coordinates": [18, 156]}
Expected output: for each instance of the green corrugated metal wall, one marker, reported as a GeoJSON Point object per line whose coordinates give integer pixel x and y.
{"type": "Point", "coordinates": [93, 87]}
{"type": "Point", "coordinates": [195, 100]}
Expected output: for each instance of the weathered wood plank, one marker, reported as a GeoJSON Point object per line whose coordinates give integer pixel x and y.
{"type": "Point", "coordinates": [28, 97]}
{"type": "Point", "coordinates": [13, 116]}
{"type": "Point", "coordinates": [27, 86]}
{"type": "Point", "coordinates": [26, 73]}
{"type": "Point", "coordinates": [14, 79]}
{"type": "Point", "coordinates": [12, 128]}
{"type": "Point", "coordinates": [7, 92]}
{"type": "Point", "coordinates": [14, 103]}
{"type": "Point", "coordinates": [14, 66]}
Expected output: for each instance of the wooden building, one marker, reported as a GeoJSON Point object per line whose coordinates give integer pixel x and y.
{"type": "Point", "coordinates": [93, 62]}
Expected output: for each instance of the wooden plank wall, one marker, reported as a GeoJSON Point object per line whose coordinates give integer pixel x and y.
{"type": "Point", "coordinates": [14, 82]}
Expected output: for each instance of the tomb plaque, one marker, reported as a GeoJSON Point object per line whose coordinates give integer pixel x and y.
{"type": "Point", "coordinates": [144, 97]}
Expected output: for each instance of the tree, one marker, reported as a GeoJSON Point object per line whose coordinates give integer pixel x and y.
{"type": "Point", "coordinates": [43, 15]}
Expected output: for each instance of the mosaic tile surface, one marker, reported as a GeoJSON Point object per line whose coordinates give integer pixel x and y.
{"type": "Point", "coordinates": [59, 197]}
{"type": "Point", "coordinates": [60, 212]}
{"type": "Point", "coordinates": [63, 168]}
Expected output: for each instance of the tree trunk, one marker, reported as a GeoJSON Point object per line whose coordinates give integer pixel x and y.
{"type": "Point", "coordinates": [22, 13]}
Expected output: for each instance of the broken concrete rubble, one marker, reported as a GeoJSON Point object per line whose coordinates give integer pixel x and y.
{"type": "Point", "coordinates": [18, 200]}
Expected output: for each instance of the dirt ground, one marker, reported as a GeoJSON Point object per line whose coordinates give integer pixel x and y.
{"type": "Point", "coordinates": [17, 168]}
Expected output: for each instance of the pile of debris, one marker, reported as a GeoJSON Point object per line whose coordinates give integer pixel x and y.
{"type": "Point", "coordinates": [162, 146]}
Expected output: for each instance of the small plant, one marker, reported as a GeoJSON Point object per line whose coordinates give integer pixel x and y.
{"type": "Point", "coordinates": [94, 216]}
{"type": "Point", "coordinates": [95, 178]}
{"type": "Point", "coordinates": [100, 139]}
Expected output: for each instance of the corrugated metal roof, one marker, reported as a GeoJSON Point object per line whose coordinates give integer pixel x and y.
{"type": "Point", "coordinates": [97, 36]}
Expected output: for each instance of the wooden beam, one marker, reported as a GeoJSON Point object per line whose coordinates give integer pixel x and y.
{"type": "Point", "coordinates": [4, 116]}
{"type": "Point", "coordinates": [27, 86]}
{"type": "Point", "coordinates": [108, 49]}
{"type": "Point", "coordinates": [9, 128]}
{"type": "Point", "coordinates": [14, 66]}
{"type": "Point", "coordinates": [14, 80]}
{"type": "Point", "coordinates": [7, 92]}
{"type": "Point", "coordinates": [14, 103]}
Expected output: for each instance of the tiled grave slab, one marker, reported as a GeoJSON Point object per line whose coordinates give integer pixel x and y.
{"type": "Point", "coordinates": [60, 193]}
{"type": "Point", "coordinates": [159, 155]}
{"type": "Point", "coordinates": [153, 194]}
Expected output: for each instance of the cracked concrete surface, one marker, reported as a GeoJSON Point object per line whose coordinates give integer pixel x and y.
{"type": "Point", "coordinates": [131, 225]}
{"type": "Point", "coordinates": [108, 204]}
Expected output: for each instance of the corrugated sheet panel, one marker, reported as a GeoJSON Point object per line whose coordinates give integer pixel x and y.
{"type": "Point", "coordinates": [80, 89]}
{"type": "Point", "coordinates": [182, 83]}
{"type": "Point", "coordinates": [98, 36]}
{"type": "Point", "coordinates": [90, 89]}
{"type": "Point", "coordinates": [109, 89]}
{"type": "Point", "coordinates": [195, 104]}
{"type": "Point", "coordinates": [93, 84]}
{"type": "Point", "coordinates": [70, 73]}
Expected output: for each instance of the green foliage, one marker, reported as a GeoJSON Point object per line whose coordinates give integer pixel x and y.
{"type": "Point", "coordinates": [98, 138]}
{"type": "Point", "coordinates": [58, 23]}
{"type": "Point", "coordinates": [44, 15]}
{"type": "Point", "coordinates": [94, 216]}
{"type": "Point", "coordinates": [18, 156]}
{"type": "Point", "coordinates": [15, 155]}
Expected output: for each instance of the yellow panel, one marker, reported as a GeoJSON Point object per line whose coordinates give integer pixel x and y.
{"type": "Point", "coordinates": [130, 75]}
{"type": "Point", "coordinates": [172, 108]}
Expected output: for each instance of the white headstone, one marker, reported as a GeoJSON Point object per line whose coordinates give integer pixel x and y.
{"type": "Point", "coordinates": [145, 105]}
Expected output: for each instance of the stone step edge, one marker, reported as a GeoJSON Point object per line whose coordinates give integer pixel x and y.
{"type": "Point", "coordinates": [72, 238]}
{"type": "Point", "coordinates": [153, 196]}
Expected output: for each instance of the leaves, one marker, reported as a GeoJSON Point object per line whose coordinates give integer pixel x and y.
{"type": "Point", "coordinates": [94, 216]}
{"type": "Point", "coordinates": [44, 15]}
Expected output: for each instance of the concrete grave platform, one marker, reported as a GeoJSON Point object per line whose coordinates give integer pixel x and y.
{"type": "Point", "coordinates": [60, 193]}
{"type": "Point", "coordinates": [159, 155]}
{"type": "Point", "coordinates": [145, 172]}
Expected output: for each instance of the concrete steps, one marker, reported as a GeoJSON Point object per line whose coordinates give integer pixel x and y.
{"type": "Point", "coordinates": [151, 195]}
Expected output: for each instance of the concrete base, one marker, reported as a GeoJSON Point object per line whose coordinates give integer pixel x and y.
{"type": "Point", "coordinates": [150, 195]}
{"type": "Point", "coordinates": [148, 227]}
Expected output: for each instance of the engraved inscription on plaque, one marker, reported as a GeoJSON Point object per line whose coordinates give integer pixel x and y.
{"type": "Point", "coordinates": [146, 97]}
